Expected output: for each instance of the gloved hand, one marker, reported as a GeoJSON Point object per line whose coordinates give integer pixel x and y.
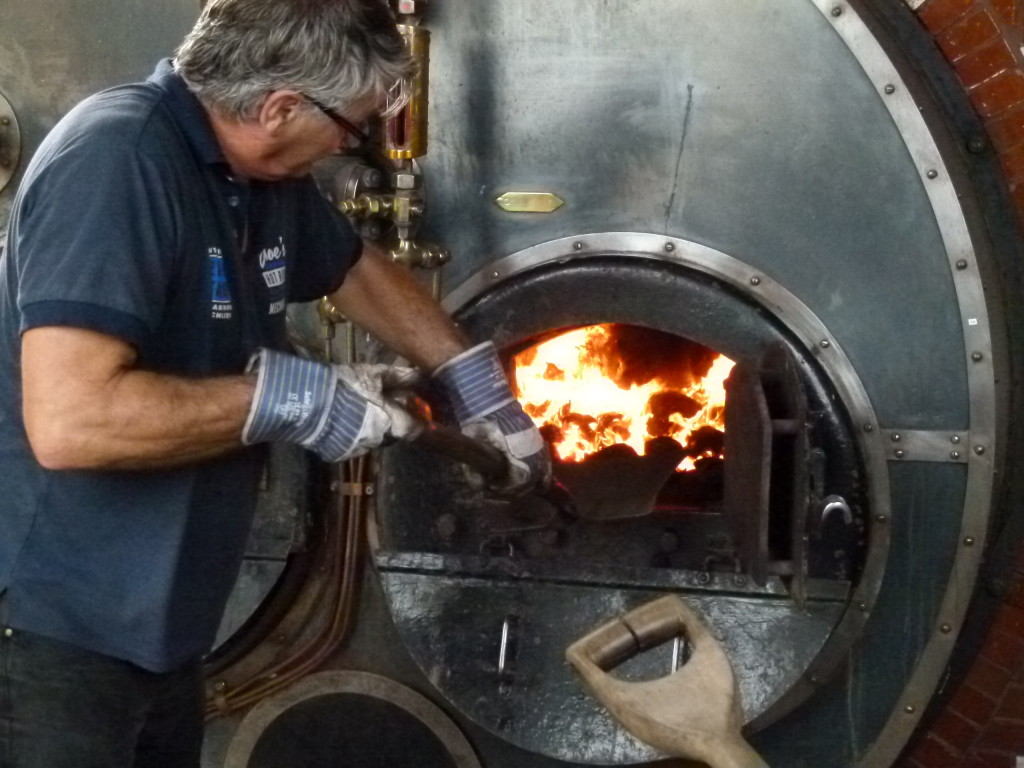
{"type": "Point", "coordinates": [487, 410]}
{"type": "Point", "coordinates": [338, 411]}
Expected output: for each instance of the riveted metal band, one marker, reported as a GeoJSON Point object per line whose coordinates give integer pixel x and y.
{"type": "Point", "coordinates": [960, 252]}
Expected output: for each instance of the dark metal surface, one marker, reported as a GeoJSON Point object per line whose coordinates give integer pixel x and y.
{"type": "Point", "coordinates": [53, 55]}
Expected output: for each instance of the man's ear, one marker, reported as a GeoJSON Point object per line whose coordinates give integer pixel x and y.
{"type": "Point", "coordinates": [279, 109]}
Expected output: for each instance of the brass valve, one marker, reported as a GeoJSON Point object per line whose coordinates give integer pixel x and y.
{"type": "Point", "coordinates": [367, 206]}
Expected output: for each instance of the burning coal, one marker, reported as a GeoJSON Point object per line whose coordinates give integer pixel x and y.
{"type": "Point", "coordinates": [603, 385]}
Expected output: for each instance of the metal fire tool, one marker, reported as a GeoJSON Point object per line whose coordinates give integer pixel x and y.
{"type": "Point", "coordinates": [484, 458]}
{"type": "Point", "coordinates": [695, 711]}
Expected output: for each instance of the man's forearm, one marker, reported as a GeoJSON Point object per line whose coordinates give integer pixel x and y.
{"type": "Point", "coordinates": [387, 301]}
{"type": "Point", "coordinates": [100, 412]}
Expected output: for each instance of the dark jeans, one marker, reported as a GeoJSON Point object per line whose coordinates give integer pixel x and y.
{"type": "Point", "coordinates": [63, 707]}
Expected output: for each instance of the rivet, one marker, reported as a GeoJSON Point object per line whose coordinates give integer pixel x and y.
{"type": "Point", "coordinates": [5, 121]}
{"type": "Point", "coordinates": [869, 427]}
{"type": "Point", "coordinates": [670, 247]}
{"type": "Point", "coordinates": [704, 578]}
{"type": "Point", "coordinates": [577, 246]}
{"type": "Point", "coordinates": [977, 357]}
{"type": "Point", "coordinates": [899, 453]}
{"type": "Point", "coordinates": [946, 628]}
{"type": "Point", "coordinates": [910, 709]}
{"type": "Point", "coordinates": [961, 264]}
{"type": "Point", "coordinates": [932, 174]}
{"type": "Point", "coordinates": [954, 439]}
{"type": "Point", "coordinates": [979, 449]}
{"type": "Point", "coordinates": [8, 632]}
{"type": "Point", "coordinates": [862, 606]}
{"type": "Point", "coordinates": [895, 437]}
{"type": "Point", "coordinates": [968, 541]}
{"type": "Point", "coordinates": [976, 145]}
{"type": "Point", "coordinates": [954, 455]}
{"type": "Point", "coordinates": [220, 685]}
{"type": "Point", "coordinates": [755, 280]}
{"type": "Point", "coordinates": [495, 275]}
{"type": "Point", "coordinates": [890, 89]}
{"type": "Point", "coordinates": [837, 11]}
{"type": "Point", "coordinates": [368, 490]}
{"type": "Point", "coordinates": [739, 580]}
{"type": "Point", "coordinates": [881, 519]}
{"type": "Point", "coordinates": [825, 343]}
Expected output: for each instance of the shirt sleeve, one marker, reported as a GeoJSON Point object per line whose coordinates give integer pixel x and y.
{"type": "Point", "coordinates": [328, 249]}
{"type": "Point", "coordinates": [96, 234]}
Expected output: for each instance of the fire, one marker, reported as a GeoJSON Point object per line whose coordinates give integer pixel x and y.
{"type": "Point", "coordinates": [602, 385]}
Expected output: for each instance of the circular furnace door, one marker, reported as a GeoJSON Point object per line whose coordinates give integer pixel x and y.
{"type": "Point", "coordinates": [749, 177]}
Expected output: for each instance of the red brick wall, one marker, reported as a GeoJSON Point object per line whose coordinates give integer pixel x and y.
{"type": "Point", "coordinates": [982, 726]}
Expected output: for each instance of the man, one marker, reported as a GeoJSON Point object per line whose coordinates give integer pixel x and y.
{"type": "Point", "coordinates": [154, 241]}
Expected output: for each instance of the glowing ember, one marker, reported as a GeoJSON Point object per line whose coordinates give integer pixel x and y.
{"type": "Point", "coordinates": [602, 385]}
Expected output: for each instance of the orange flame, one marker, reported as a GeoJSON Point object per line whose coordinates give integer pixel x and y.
{"type": "Point", "coordinates": [580, 384]}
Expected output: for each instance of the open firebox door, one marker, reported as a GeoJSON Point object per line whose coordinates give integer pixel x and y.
{"type": "Point", "coordinates": [720, 489]}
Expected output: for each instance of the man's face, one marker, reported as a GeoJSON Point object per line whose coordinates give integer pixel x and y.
{"type": "Point", "coordinates": [311, 133]}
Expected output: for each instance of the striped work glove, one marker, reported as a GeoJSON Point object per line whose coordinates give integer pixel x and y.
{"type": "Point", "coordinates": [336, 411]}
{"type": "Point", "coordinates": [487, 410]}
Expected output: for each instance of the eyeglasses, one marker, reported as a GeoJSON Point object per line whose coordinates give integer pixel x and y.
{"type": "Point", "coordinates": [345, 124]}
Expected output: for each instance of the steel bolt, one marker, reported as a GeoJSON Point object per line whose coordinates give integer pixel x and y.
{"type": "Point", "coordinates": [979, 449]}
{"type": "Point", "coordinates": [977, 357]}
{"type": "Point", "coordinates": [954, 455]}
{"type": "Point", "coordinates": [961, 264]}
{"type": "Point", "coordinates": [954, 439]}
{"type": "Point", "coordinates": [670, 247]}
{"type": "Point", "coordinates": [910, 709]}
{"type": "Point", "coordinates": [946, 628]}
{"type": "Point", "coordinates": [895, 437]}
{"type": "Point", "coordinates": [968, 541]}
{"type": "Point", "coordinates": [932, 174]}
{"type": "Point", "coordinates": [577, 246]}
{"type": "Point", "coordinates": [837, 11]}
{"type": "Point", "coordinates": [825, 343]}
{"type": "Point", "coordinates": [890, 89]}
{"type": "Point", "coordinates": [869, 427]}
{"type": "Point", "coordinates": [899, 453]}
{"type": "Point", "coordinates": [446, 526]}
{"type": "Point", "coordinates": [755, 281]}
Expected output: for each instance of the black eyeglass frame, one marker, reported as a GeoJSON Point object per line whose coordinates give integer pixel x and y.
{"type": "Point", "coordinates": [345, 124]}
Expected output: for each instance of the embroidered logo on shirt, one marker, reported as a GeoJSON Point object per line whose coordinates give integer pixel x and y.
{"type": "Point", "coordinates": [220, 293]}
{"type": "Point", "coordinates": [272, 262]}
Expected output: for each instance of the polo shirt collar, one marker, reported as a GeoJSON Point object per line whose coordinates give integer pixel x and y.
{"type": "Point", "coordinates": [188, 113]}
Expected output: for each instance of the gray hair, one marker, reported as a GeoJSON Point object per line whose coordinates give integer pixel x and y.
{"type": "Point", "coordinates": [342, 53]}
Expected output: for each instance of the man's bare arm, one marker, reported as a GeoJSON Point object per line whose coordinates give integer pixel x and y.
{"type": "Point", "coordinates": [387, 301]}
{"type": "Point", "coordinates": [86, 405]}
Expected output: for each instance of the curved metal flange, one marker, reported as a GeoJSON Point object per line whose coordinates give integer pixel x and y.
{"type": "Point", "coordinates": [806, 327]}
{"type": "Point", "coordinates": [359, 683]}
{"type": "Point", "coordinates": [937, 182]}
{"type": "Point", "coordinates": [10, 142]}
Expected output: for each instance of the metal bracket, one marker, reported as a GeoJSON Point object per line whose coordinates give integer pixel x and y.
{"type": "Point", "coordinates": [10, 142]}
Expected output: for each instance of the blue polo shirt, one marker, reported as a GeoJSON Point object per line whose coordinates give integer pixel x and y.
{"type": "Point", "coordinates": [129, 222]}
